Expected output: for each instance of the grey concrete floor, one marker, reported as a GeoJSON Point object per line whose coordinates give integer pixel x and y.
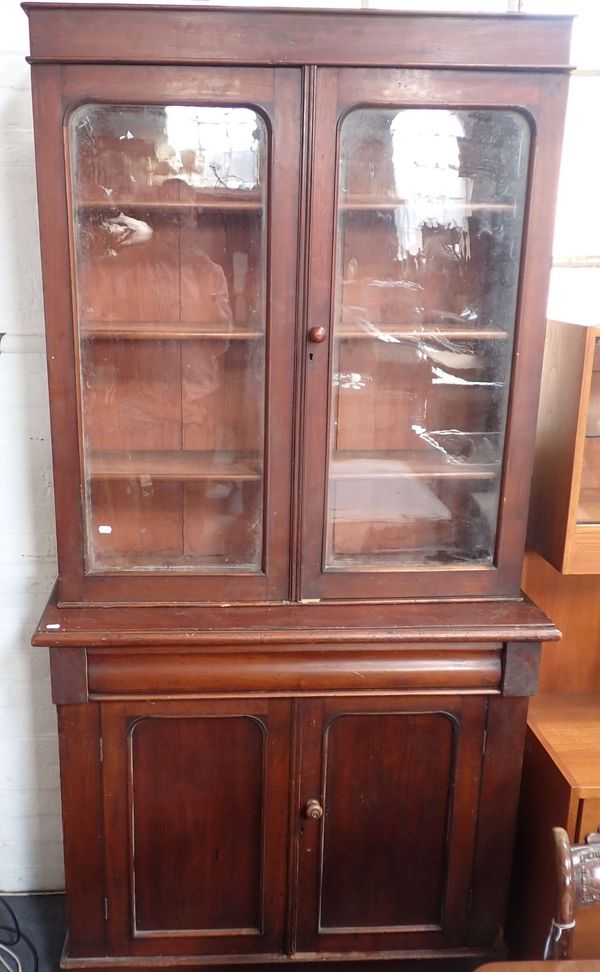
{"type": "Point", "coordinates": [42, 918]}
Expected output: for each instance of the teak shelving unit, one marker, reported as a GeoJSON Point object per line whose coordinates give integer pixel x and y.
{"type": "Point", "coordinates": [565, 504]}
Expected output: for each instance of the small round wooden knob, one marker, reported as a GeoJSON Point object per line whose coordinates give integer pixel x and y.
{"type": "Point", "coordinates": [317, 334]}
{"type": "Point", "coordinates": [313, 810]}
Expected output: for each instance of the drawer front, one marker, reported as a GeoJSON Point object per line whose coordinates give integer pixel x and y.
{"type": "Point", "coordinates": [294, 670]}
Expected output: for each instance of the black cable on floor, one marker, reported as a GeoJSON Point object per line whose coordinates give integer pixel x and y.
{"type": "Point", "coordinates": [11, 934]}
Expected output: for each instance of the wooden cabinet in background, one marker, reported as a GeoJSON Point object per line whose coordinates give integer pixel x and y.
{"type": "Point", "coordinates": [565, 502]}
{"type": "Point", "coordinates": [561, 788]}
{"type": "Point", "coordinates": [573, 603]}
{"type": "Point", "coordinates": [294, 292]}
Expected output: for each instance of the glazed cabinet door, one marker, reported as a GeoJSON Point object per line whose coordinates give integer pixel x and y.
{"type": "Point", "coordinates": [387, 822]}
{"type": "Point", "coordinates": [172, 443]}
{"type": "Point", "coordinates": [195, 803]}
{"type": "Point", "coordinates": [423, 315]}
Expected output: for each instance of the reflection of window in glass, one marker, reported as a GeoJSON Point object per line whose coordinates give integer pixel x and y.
{"type": "Point", "coordinates": [428, 243]}
{"type": "Point", "coordinates": [169, 230]}
{"type": "Point", "coordinates": [426, 163]}
{"type": "Point", "coordinates": [128, 148]}
{"type": "Point", "coordinates": [212, 147]}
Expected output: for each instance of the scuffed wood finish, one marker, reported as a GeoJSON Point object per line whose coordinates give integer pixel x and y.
{"type": "Point", "coordinates": [453, 960]}
{"type": "Point", "coordinates": [412, 622]}
{"type": "Point", "coordinates": [63, 33]}
{"type": "Point", "coordinates": [501, 777]}
{"type": "Point", "coordinates": [521, 668]}
{"type": "Point", "coordinates": [68, 675]}
{"type": "Point", "coordinates": [83, 826]}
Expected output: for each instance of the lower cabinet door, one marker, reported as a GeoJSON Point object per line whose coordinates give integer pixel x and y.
{"type": "Point", "coordinates": [195, 802]}
{"type": "Point", "coordinates": [388, 863]}
{"type": "Point", "coordinates": [197, 829]}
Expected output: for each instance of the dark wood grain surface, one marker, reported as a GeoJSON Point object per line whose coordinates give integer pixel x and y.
{"type": "Point", "coordinates": [514, 619]}
{"type": "Point", "coordinates": [62, 33]}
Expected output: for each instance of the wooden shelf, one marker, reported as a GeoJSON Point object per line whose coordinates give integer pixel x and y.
{"type": "Point", "coordinates": [165, 331]}
{"type": "Point", "coordinates": [418, 464]}
{"type": "Point", "coordinates": [116, 561]}
{"type": "Point", "coordinates": [356, 203]}
{"type": "Point", "coordinates": [403, 332]}
{"type": "Point", "coordinates": [237, 202]}
{"type": "Point", "coordinates": [366, 203]}
{"type": "Point", "coordinates": [189, 330]}
{"type": "Point", "coordinates": [165, 465]}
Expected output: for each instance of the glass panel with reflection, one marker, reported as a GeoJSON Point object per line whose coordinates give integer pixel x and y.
{"type": "Point", "coordinates": [169, 241]}
{"type": "Point", "coordinates": [429, 225]}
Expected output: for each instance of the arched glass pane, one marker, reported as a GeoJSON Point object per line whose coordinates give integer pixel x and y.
{"type": "Point", "coordinates": [169, 209]}
{"type": "Point", "coordinates": [429, 226]}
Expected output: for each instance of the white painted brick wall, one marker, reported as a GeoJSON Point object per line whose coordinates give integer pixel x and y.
{"type": "Point", "coordinates": [30, 832]}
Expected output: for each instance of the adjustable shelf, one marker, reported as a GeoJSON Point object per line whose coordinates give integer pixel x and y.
{"type": "Point", "coordinates": [174, 466]}
{"type": "Point", "coordinates": [413, 464]}
{"type": "Point", "coordinates": [408, 332]}
{"type": "Point", "coordinates": [366, 203]}
{"type": "Point", "coordinates": [166, 331]}
{"type": "Point", "coordinates": [237, 202]}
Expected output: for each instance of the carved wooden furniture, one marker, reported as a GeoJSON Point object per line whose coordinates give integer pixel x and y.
{"type": "Point", "coordinates": [294, 294]}
{"type": "Point", "coordinates": [565, 501]}
{"type": "Point", "coordinates": [578, 872]}
{"type": "Point", "coordinates": [561, 788]}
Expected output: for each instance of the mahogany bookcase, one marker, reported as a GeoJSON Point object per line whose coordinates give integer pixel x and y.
{"type": "Point", "coordinates": [295, 267]}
